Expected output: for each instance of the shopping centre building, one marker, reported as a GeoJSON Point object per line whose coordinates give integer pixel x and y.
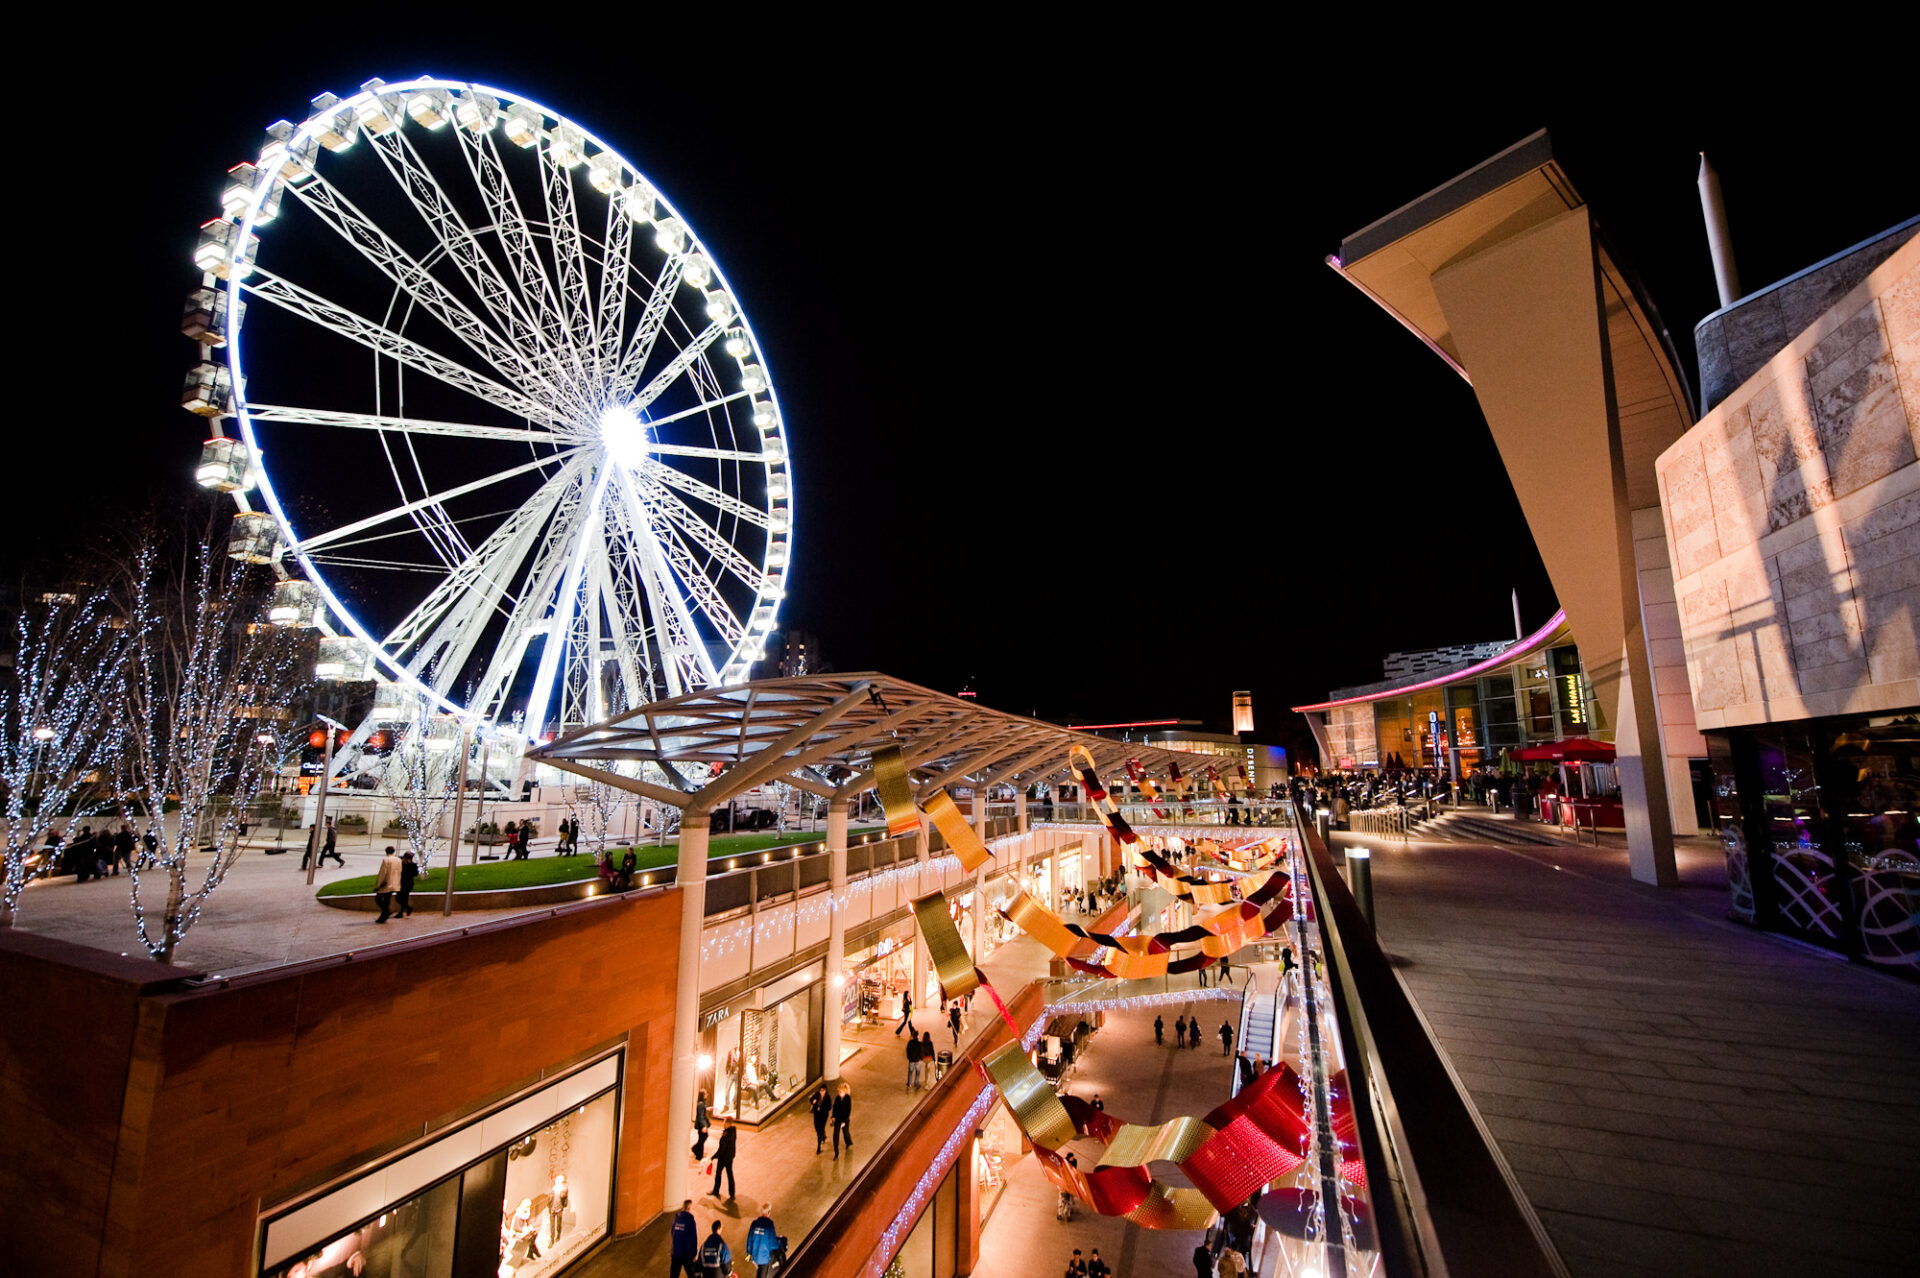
{"type": "Point", "coordinates": [1742, 582]}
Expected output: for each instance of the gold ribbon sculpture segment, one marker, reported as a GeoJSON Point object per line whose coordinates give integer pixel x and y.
{"type": "Point", "coordinates": [1035, 1105]}
{"type": "Point", "coordinates": [896, 793]}
{"type": "Point", "coordinates": [947, 952]}
{"type": "Point", "coordinates": [961, 839]}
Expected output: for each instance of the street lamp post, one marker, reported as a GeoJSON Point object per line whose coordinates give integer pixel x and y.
{"type": "Point", "coordinates": [459, 806]}
{"type": "Point", "coordinates": [320, 806]}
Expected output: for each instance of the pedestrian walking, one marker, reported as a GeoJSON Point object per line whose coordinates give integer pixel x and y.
{"type": "Point", "coordinates": [1245, 1066]}
{"type": "Point", "coordinates": [1077, 1267]}
{"type": "Point", "coordinates": [723, 1158]}
{"type": "Point", "coordinates": [409, 872]}
{"type": "Point", "coordinates": [913, 1061]}
{"type": "Point", "coordinates": [1226, 969]}
{"type": "Point", "coordinates": [684, 1243]}
{"type": "Point", "coordinates": [822, 1106]}
{"type": "Point", "coordinates": [313, 842]}
{"type": "Point", "coordinates": [1226, 1039]}
{"type": "Point", "coordinates": [1203, 1261]}
{"type": "Point", "coordinates": [387, 884]}
{"type": "Point", "coordinates": [906, 1012]}
{"type": "Point", "coordinates": [1159, 1032]}
{"type": "Point", "coordinates": [927, 1055]}
{"type": "Point", "coordinates": [842, 1120]}
{"type": "Point", "coordinates": [700, 1125]}
{"type": "Point", "coordinates": [763, 1242]}
{"type": "Point", "coordinates": [123, 849]}
{"type": "Point", "coordinates": [1096, 1267]}
{"type": "Point", "coordinates": [1180, 1031]}
{"type": "Point", "coordinates": [328, 850]}
{"type": "Point", "coordinates": [953, 1019]}
{"type": "Point", "coordinates": [716, 1258]}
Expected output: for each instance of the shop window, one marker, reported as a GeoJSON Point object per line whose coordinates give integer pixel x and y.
{"type": "Point", "coordinates": [1875, 775]}
{"type": "Point", "coordinates": [526, 1210]}
{"type": "Point", "coordinates": [410, 1238]}
{"type": "Point", "coordinates": [1724, 809]}
{"type": "Point", "coordinates": [1803, 868]}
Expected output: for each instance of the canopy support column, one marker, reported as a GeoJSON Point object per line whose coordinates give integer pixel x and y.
{"type": "Point", "coordinates": [691, 880]}
{"type": "Point", "coordinates": [836, 932]}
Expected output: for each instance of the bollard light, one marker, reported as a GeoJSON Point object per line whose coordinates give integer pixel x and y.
{"type": "Point", "coordinates": [1360, 878]}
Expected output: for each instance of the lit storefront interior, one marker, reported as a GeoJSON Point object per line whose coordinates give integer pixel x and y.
{"type": "Point", "coordinates": [519, 1192]}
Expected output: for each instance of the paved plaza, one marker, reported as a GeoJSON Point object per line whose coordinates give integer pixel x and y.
{"type": "Point", "coordinates": [263, 915]}
{"type": "Point", "coordinates": [1677, 1094]}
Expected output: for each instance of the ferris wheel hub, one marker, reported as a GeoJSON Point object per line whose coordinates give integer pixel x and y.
{"type": "Point", "coordinates": [624, 435]}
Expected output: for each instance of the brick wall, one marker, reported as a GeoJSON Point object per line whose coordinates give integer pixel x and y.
{"type": "Point", "coordinates": [234, 1097]}
{"type": "Point", "coordinates": [1793, 513]}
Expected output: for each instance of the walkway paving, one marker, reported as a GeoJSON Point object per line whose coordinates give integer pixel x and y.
{"type": "Point", "coordinates": [263, 915]}
{"type": "Point", "coordinates": [1676, 1093]}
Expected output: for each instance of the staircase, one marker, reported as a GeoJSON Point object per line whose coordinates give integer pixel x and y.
{"type": "Point", "coordinates": [1456, 826]}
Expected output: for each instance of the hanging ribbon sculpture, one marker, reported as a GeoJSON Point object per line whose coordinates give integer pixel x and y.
{"type": "Point", "coordinates": [1237, 1148]}
{"type": "Point", "coordinates": [1240, 1146]}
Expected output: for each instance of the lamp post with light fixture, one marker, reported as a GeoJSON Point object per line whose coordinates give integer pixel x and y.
{"type": "Point", "coordinates": [319, 834]}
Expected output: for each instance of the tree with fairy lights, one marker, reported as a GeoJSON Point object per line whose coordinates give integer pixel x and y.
{"type": "Point", "coordinates": [58, 726]}
{"type": "Point", "coordinates": [202, 673]}
{"type": "Point", "coordinates": [599, 801]}
{"type": "Point", "coordinates": [422, 777]}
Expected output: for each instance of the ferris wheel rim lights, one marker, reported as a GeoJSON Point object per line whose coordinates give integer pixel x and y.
{"type": "Point", "coordinates": [431, 102]}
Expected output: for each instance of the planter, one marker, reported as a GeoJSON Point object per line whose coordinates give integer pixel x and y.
{"type": "Point", "coordinates": [489, 899]}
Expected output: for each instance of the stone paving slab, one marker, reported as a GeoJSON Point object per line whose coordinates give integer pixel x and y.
{"type": "Point", "coordinates": [1677, 1094]}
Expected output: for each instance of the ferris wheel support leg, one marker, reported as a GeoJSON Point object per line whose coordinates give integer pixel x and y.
{"type": "Point", "coordinates": [691, 879]}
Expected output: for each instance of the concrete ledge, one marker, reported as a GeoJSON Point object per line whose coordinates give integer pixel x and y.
{"type": "Point", "coordinates": [491, 899]}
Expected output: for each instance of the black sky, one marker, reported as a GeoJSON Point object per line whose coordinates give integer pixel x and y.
{"type": "Point", "coordinates": [1077, 411]}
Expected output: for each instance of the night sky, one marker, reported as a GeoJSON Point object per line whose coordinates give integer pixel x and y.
{"type": "Point", "coordinates": [1078, 414]}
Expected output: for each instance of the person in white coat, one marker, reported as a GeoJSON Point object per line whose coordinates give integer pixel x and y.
{"type": "Point", "coordinates": [387, 884]}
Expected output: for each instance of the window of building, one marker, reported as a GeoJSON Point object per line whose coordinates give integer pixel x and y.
{"type": "Point", "coordinates": [525, 1209]}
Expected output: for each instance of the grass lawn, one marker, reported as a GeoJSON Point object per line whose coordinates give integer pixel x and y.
{"type": "Point", "coordinates": [538, 870]}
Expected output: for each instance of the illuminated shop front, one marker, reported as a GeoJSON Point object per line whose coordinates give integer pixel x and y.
{"type": "Point", "coordinates": [520, 1192]}
{"type": "Point", "coordinates": [879, 974]}
{"type": "Point", "coordinates": [760, 1050]}
{"type": "Point", "coordinates": [1819, 820]}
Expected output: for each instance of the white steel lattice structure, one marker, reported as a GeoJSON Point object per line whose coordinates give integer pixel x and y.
{"type": "Point", "coordinates": [500, 401]}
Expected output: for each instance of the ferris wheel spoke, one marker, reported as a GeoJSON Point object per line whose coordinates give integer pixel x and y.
{"type": "Point", "coordinates": [624, 638]}
{"type": "Point", "coordinates": [531, 611]}
{"type": "Point", "coordinates": [697, 585]}
{"type": "Point", "coordinates": [680, 516]}
{"type": "Point", "coordinates": [727, 503]}
{"type": "Point", "coordinates": [614, 269]}
{"type": "Point", "coordinates": [408, 170]}
{"type": "Point", "coordinates": [569, 257]}
{"type": "Point", "coordinates": [318, 310]}
{"type": "Point", "coordinates": [537, 298]}
{"type": "Point", "coordinates": [308, 544]}
{"type": "Point", "coordinates": [633, 360]}
{"type": "Point", "coordinates": [704, 406]}
{"type": "Point", "coordinates": [679, 364]}
{"type": "Point", "coordinates": [278, 414]}
{"type": "Point", "coordinates": [713, 454]}
{"type": "Point", "coordinates": [684, 657]}
{"type": "Point", "coordinates": [340, 214]}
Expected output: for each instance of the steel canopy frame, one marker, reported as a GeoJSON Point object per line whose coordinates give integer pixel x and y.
{"type": "Point", "coordinates": [819, 733]}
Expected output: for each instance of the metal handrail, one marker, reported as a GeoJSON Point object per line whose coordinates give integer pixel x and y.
{"type": "Point", "coordinates": [1445, 1201]}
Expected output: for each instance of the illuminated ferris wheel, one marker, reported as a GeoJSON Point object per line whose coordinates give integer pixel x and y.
{"type": "Point", "coordinates": [493, 410]}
